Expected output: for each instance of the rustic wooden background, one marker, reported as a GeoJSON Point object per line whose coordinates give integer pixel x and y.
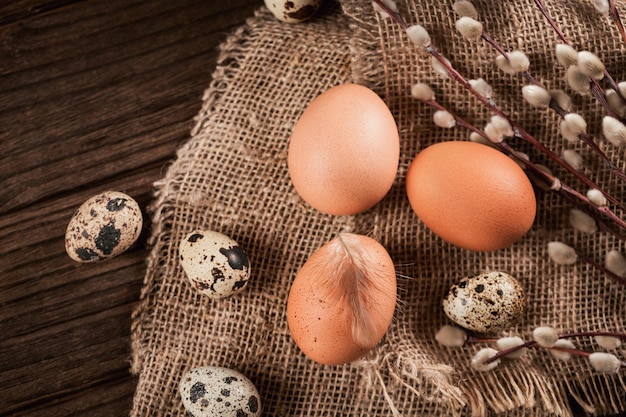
{"type": "Point", "coordinates": [94, 95]}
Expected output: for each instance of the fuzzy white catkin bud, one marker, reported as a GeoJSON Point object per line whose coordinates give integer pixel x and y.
{"type": "Point", "coordinates": [577, 81]}
{"type": "Point", "coordinates": [590, 65]}
{"type": "Point", "coordinates": [418, 36]}
{"type": "Point", "coordinates": [517, 62]}
{"type": "Point", "coordinates": [566, 55]}
{"type": "Point", "coordinates": [561, 253]}
{"type": "Point", "coordinates": [613, 130]}
{"type": "Point", "coordinates": [505, 343]}
{"type": "Point", "coordinates": [582, 222]}
{"type": "Point", "coordinates": [422, 92]}
{"type": "Point", "coordinates": [443, 118]}
{"type": "Point", "coordinates": [608, 342]}
{"type": "Point", "coordinates": [439, 68]}
{"type": "Point", "coordinates": [465, 8]}
{"type": "Point", "coordinates": [536, 96]}
{"type": "Point", "coordinates": [621, 86]}
{"type": "Point", "coordinates": [469, 28]}
{"type": "Point", "coordinates": [502, 125]}
{"type": "Point", "coordinates": [564, 344]}
{"type": "Point", "coordinates": [478, 138]}
{"type": "Point", "coordinates": [615, 102]}
{"type": "Point", "coordinates": [481, 356]}
{"type": "Point", "coordinates": [451, 336]}
{"type": "Point", "coordinates": [545, 336]}
{"type": "Point", "coordinates": [569, 131]}
{"type": "Point", "coordinates": [576, 121]}
{"type": "Point", "coordinates": [596, 197]}
{"type": "Point", "coordinates": [606, 363]}
{"type": "Point", "coordinates": [561, 98]}
{"type": "Point", "coordinates": [492, 132]}
{"type": "Point", "coordinates": [481, 87]}
{"type": "Point", "coordinates": [602, 6]}
{"type": "Point", "coordinates": [504, 65]}
{"type": "Point", "coordinates": [615, 262]}
{"type": "Point", "coordinates": [573, 159]}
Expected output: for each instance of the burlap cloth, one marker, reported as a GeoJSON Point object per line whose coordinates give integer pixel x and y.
{"type": "Point", "coordinates": [232, 177]}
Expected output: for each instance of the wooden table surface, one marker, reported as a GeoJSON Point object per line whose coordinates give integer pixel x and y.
{"type": "Point", "coordinates": [94, 96]}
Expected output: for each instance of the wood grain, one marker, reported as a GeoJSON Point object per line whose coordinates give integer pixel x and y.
{"type": "Point", "coordinates": [93, 96]}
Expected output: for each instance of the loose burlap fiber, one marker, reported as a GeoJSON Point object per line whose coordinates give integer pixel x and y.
{"type": "Point", "coordinates": [232, 177]}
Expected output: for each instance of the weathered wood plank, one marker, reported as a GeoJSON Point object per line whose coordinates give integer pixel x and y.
{"type": "Point", "coordinates": [110, 91]}
{"type": "Point", "coordinates": [104, 400]}
{"type": "Point", "coordinates": [93, 96]}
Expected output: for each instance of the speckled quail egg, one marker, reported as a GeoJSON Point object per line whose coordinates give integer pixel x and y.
{"type": "Point", "coordinates": [293, 11]}
{"type": "Point", "coordinates": [214, 263]}
{"type": "Point", "coordinates": [104, 226]}
{"type": "Point", "coordinates": [486, 303]}
{"type": "Point", "coordinates": [209, 391]}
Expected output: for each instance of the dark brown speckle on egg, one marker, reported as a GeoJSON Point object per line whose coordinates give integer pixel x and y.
{"type": "Point", "coordinates": [485, 303]}
{"type": "Point", "coordinates": [237, 259]}
{"type": "Point", "coordinates": [198, 390]}
{"type": "Point", "coordinates": [94, 232]}
{"type": "Point", "coordinates": [216, 260]}
{"type": "Point", "coordinates": [195, 237]}
{"type": "Point", "coordinates": [108, 238]}
{"type": "Point", "coordinates": [253, 404]}
{"type": "Point", "coordinates": [116, 204]}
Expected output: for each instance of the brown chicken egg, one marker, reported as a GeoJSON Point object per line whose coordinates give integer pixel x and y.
{"type": "Point", "coordinates": [471, 195]}
{"type": "Point", "coordinates": [344, 150]}
{"type": "Point", "coordinates": [342, 300]}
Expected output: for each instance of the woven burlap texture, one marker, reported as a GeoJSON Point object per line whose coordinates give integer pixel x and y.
{"type": "Point", "coordinates": [232, 177]}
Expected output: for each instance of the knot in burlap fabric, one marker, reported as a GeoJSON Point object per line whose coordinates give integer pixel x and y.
{"type": "Point", "coordinates": [232, 177]}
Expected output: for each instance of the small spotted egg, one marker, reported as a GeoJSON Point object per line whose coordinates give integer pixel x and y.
{"type": "Point", "coordinates": [214, 263]}
{"type": "Point", "coordinates": [104, 226]}
{"type": "Point", "coordinates": [486, 303]}
{"type": "Point", "coordinates": [293, 11]}
{"type": "Point", "coordinates": [209, 391]}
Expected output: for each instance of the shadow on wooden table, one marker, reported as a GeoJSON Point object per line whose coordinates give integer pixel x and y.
{"type": "Point", "coordinates": [94, 96]}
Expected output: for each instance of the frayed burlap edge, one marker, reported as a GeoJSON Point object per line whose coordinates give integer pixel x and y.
{"type": "Point", "coordinates": [378, 369]}
{"type": "Point", "coordinates": [161, 209]}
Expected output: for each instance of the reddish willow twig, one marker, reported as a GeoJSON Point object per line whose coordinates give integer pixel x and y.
{"type": "Point", "coordinates": [519, 131]}
{"type": "Point", "coordinates": [533, 343]}
{"type": "Point", "coordinates": [562, 112]}
{"type": "Point", "coordinates": [594, 85]}
{"type": "Point", "coordinates": [550, 181]}
{"type": "Point", "coordinates": [616, 19]}
{"type": "Point", "coordinates": [544, 337]}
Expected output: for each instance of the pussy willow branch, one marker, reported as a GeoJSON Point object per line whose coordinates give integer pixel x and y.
{"type": "Point", "coordinates": [560, 111]}
{"type": "Point", "coordinates": [616, 19]}
{"type": "Point", "coordinates": [596, 90]}
{"type": "Point", "coordinates": [523, 134]}
{"type": "Point", "coordinates": [458, 77]}
{"type": "Point", "coordinates": [532, 344]}
{"type": "Point", "coordinates": [550, 181]}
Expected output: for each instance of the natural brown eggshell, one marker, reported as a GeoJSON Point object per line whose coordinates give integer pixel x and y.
{"type": "Point", "coordinates": [320, 321]}
{"type": "Point", "coordinates": [344, 150]}
{"type": "Point", "coordinates": [471, 195]}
